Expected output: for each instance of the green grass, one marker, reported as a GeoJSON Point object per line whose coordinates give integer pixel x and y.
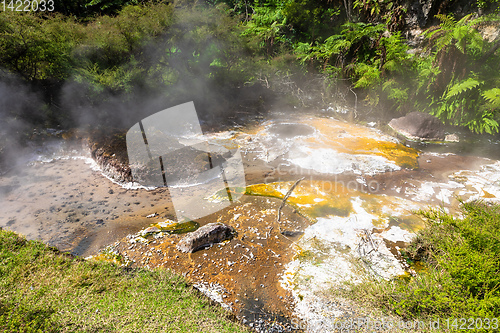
{"type": "Point", "coordinates": [461, 278]}
{"type": "Point", "coordinates": [43, 290]}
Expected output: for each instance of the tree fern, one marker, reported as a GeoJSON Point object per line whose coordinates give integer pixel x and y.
{"type": "Point", "coordinates": [461, 87]}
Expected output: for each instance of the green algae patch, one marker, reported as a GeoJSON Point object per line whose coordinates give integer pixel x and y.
{"type": "Point", "coordinates": [303, 255]}
{"type": "Point", "coordinates": [165, 227]}
{"type": "Point", "coordinates": [223, 194]}
{"type": "Point", "coordinates": [110, 255]}
{"type": "Point", "coordinates": [172, 227]}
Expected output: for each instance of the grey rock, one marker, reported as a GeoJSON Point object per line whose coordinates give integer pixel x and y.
{"type": "Point", "coordinates": [419, 126]}
{"type": "Point", "coordinates": [292, 233]}
{"type": "Point", "coordinates": [420, 12]}
{"type": "Point", "coordinates": [452, 138]}
{"type": "Point", "coordinates": [205, 236]}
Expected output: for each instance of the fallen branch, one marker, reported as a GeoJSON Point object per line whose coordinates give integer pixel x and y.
{"type": "Point", "coordinates": [286, 198]}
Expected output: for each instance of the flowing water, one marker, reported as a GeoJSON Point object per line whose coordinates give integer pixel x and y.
{"type": "Point", "coordinates": [344, 221]}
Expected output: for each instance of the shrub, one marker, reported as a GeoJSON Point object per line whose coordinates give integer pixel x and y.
{"type": "Point", "coordinates": [462, 263]}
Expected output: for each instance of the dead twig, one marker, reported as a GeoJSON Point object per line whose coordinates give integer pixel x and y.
{"type": "Point", "coordinates": [364, 240]}
{"type": "Point", "coordinates": [286, 198]}
{"type": "Point", "coordinates": [370, 239]}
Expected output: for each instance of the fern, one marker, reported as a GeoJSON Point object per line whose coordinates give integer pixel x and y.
{"type": "Point", "coordinates": [484, 124]}
{"type": "Point", "coordinates": [493, 97]}
{"type": "Point", "coordinates": [462, 87]}
{"type": "Point", "coordinates": [396, 93]}
{"type": "Point", "coordinates": [462, 34]}
{"type": "Point", "coordinates": [368, 75]}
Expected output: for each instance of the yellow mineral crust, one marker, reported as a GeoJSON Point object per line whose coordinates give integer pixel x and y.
{"type": "Point", "coordinates": [352, 139]}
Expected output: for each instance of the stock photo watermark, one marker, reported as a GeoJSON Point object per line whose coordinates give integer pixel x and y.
{"type": "Point", "coordinates": [354, 324]}
{"type": "Point", "coordinates": [168, 149]}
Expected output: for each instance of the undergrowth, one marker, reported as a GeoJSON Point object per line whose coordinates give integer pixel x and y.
{"type": "Point", "coordinates": [462, 264]}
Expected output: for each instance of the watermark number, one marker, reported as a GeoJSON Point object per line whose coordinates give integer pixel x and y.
{"type": "Point", "coordinates": [28, 6]}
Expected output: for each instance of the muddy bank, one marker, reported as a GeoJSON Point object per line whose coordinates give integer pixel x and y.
{"type": "Point", "coordinates": [68, 204]}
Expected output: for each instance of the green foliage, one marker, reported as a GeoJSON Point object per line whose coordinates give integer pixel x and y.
{"type": "Point", "coordinates": [112, 60]}
{"type": "Point", "coordinates": [109, 6]}
{"type": "Point", "coordinates": [157, 47]}
{"type": "Point", "coordinates": [276, 26]}
{"type": "Point", "coordinates": [492, 96]}
{"type": "Point", "coordinates": [365, 53]}
{"type": "Point", "coordinates": [390, 12]}
{"type": "Point", "coordinates": [464, 67]}
{"type": "Point", "coordinates": [466, 250]}
{"type": "Point", "coordinates": [448, 79]}
{"type": "Point", "coordinates": [488, 4]}
{"type": "Point", "coordinates": [152, 49]}
{"type": "Point", "coordinates": [462, 259]}
{"type": "Point", "coordinates": [311, 19]}
{"type": "Point", "coordinates": [462, 87]}
{"type": "Point", "coordinates": [267, 30]}
{"type": "Point", "coordinates": [396, 93]}
{"type": "Point", "coordinates": [460, 34]}
{"type": "Point", "coordinates": [35, 48]}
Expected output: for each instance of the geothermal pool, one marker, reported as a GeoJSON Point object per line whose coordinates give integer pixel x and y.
{"type": "Point", "coordinates": [344, 221]}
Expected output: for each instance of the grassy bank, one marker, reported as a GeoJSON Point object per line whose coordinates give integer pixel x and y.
{"type": "Point", "coordinates": [461, 277]}
{"type": "Point", "coordinates": [42, 290]}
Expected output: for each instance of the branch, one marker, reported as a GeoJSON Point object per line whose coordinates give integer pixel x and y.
{"type": "Point", "coordinates": [286, 198]}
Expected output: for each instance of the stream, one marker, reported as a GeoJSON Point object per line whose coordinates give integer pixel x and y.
{"type": "Point", "coordinates": [345, 221]}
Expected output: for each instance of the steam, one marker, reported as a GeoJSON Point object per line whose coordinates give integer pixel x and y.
{"type": "Point", "coordinates": [175, 68]}
{"type": "Point", "coordinates": [20, 106]}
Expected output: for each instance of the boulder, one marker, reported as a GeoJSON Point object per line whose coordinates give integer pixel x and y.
{"type": "Point", "coordinates": [205, 236]}
{"type": "Point", "coordinates": [419, 126]}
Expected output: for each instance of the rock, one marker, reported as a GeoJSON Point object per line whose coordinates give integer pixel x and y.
{"type": "Point", "coordinates": [108, 149]}
{"type": "Point", "coordinates": [419, 126]}
{"type": "Point", "coordinates": [205, 236]}
{"type": "Point", "coordinates": [452, 138]}
{"type": "Point", "coordinates": [150, 231]}
{"type": "Point", "coordinates": [292, 233]}
{"type": "Point", "coordinates": [419, 13]}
